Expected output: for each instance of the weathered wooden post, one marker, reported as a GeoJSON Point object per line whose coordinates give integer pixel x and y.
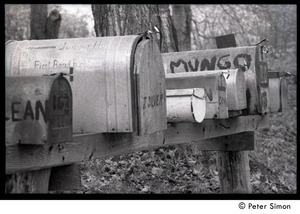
{"type": "Point", "coordinates": [233, 166]}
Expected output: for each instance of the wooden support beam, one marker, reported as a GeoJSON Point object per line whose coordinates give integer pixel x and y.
{"type": "Point", "coordinates": [234, 171]}
{"type": "Point", "coordinates": [236, 142]}
{"type": "Point", "coordinates": [87, 146]}
{"type": "Point", "coordinates": [65, 178]}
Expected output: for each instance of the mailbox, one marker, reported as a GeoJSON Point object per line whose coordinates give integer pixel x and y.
{"type": "Point", "coordinates": [118, 82]}
{"type": "Point", "coordinates": [250, 59]}
{"type": "Point", "coordinates": [186, 105]}
{"type": "Point", "coordinates": [38, 110]}
{"type": "Point", "coordinates": [236, 89]}
{"type": "Point", "coordinates": [214, 85]}
{"type": "Point", "coordinates": [277, 91]}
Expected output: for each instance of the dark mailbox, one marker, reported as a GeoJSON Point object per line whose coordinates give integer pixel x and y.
{"type": "Point", "coordinates": [38, 110]}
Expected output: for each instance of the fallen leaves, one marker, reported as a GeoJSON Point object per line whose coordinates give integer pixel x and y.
{"type": "Point", "coordinates": [185, 169]}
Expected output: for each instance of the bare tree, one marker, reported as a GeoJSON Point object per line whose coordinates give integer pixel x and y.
{"type": "Point", "coordinates": [38, 19]}
{"type": "Point", "coordinates": [181, 17]}
{"type": "Point", "coordinates": [41, 26]}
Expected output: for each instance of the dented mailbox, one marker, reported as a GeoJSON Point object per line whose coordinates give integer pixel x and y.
{"type": "Point", "coordinates": [214, 85]}
{"type": "Point", "coordinates": [38, 110]}
{"type": "Point", "coordinates": [118, 82]}
{"type": "Point", "coordinates": [250, 59]}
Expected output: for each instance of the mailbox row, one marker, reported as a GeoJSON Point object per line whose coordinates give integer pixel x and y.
{"type": "Point", "coordinates": [124, 84]}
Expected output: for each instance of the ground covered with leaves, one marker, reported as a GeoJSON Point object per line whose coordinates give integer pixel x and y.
{"type": "Point", "coordinates": [184, 169]}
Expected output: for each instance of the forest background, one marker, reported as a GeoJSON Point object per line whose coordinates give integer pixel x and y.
{"type": "Point", "coordinates": [184, 169]}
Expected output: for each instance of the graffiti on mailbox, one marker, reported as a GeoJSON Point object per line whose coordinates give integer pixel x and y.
{"type": "Point", "coordinates": [60, 110]}
{"type": "Point", "coordinates": [55, 64]}
{"type": "Point", "coordinates": [152, 101]}
{"type": "Point", "coordinates": [29, 113]}
{"type": "Point", "coordinates": [82, 46]}
{"type": "Point", "coordinates": [60, 107]}
{"type": "Point", "coordinates": [242, 61]}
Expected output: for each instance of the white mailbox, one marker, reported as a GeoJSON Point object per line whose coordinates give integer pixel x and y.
{"type": "Point", "coordinates": [186, 105]}
{"type": "Point", "coordinates": [214, 85]}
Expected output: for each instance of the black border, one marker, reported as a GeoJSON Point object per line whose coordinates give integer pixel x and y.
{"type": "Point", "coordinates": [129, 196]}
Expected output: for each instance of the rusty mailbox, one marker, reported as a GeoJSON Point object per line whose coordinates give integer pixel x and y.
{"type": "Point", "coordinates": [214, 85]}
{"type": "Point", "coordinates": [38, 110]}
{"type": "Point", "coordinates": [250, 59]}
{"type": "Point", "coordinates": [117, 82]}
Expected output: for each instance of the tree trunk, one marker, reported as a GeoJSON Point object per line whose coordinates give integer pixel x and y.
{"type": "Point", "coordinates": [118, 20]}
{"type": "Point", "coordinates": [181, 17]}
{"type": "Point", "coordinates": [41, 26]}
{"type": "Point", "coordinates": [53, 24]}
{"type": "Point", "coordinates": [38, 19]}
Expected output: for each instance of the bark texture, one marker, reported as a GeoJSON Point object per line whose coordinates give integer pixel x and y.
{"type": "Point", "coordinates": [118, 20]}
{"type": "Point", "coordinates": [41, 26]}
{"type": "Point", "coordinates": [181, 18]}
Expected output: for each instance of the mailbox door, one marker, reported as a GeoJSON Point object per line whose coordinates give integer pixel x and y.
{"type": "Point", "coordinates": [151, 88]}
{"type": "Point", "coordinates": [61, 111]}
{"type": "Point", "coordinates": [262, 81]}
{"type": "Point", "coordinates": [236, 89]}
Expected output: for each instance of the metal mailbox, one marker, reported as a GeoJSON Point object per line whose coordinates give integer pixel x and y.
{"type": "Point", "coordinates": [214, 85]}
{"type": "Point", "coordinates": [118, 82]}
{"type": "Point", "coordinates": [277, 91]}
{"type": "Point", "coordinates": [38, 110]}
{"type": "Point", "coordinates": [236, 89]}
{"type": "Point", "coordinates": [186, 105]}
{"type": "Point", "coordinates": [250, 59]}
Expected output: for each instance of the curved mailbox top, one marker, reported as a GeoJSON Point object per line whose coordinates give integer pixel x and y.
{"type": "Point", "coordinates": [35, 57]}
{"type": "Point", "coordinates": [38, 110]}
{"type": "Point", "coordinates": [102, 76]}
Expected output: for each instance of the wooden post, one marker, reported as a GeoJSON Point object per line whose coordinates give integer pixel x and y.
{"type": "Point", "coordinates": [233, 166]}
{"type": "Point", "coordinates": [65, 178]}
{"type": "Point", "coordinates": [28, 182]}
{"type": "Point", "coordinates": [234, 171]}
